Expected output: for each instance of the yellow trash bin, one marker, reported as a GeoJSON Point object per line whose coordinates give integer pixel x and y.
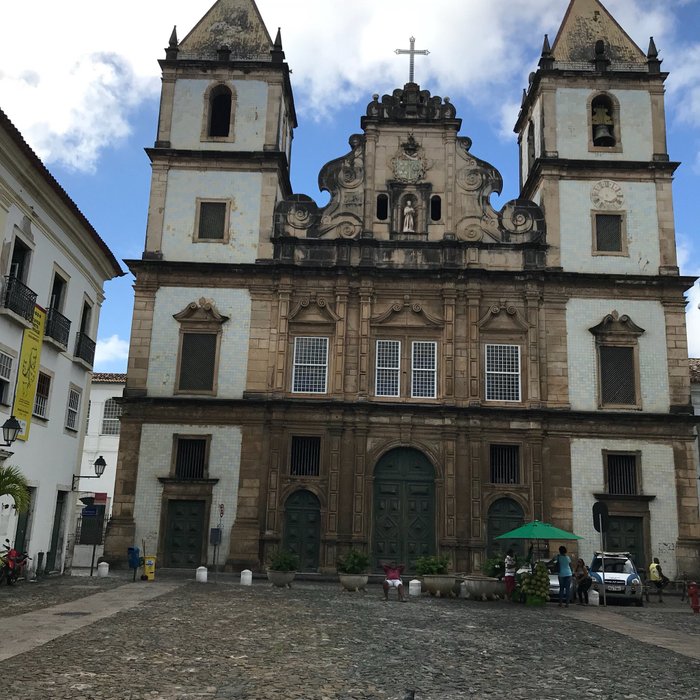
{"type": "Point", "coordinates": [149, 568]}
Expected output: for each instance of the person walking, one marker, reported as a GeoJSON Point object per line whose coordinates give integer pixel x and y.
{"type": "Point", "coordinates": [565, 575]}
{"type": "Point", "coordinates": [509, 566]}
{"type": "Point", "coordinates": [658, 578]}
{"type": "Point", "coordinates": [583, 581]}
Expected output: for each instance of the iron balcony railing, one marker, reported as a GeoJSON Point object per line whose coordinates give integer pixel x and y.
{"type": "Point", "coordinates": [19, 298]}
{"type": "Point", "coordinates": [57, 327]}
{"type": "Point", "coordinates": [85, 348]}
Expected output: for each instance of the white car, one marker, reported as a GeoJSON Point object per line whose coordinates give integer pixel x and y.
{"type": "Point", "coordinates": [622, 581]}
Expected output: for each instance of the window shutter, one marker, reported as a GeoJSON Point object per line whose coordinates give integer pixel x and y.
{"type": "Point", "coordinates": [212, 220]}
{"type": "Point", "coordinates": [608, 231]}
{"type": "Point", "coordinates": [617, 383]}
{"type": "Point", "coordinates": [197, 360]}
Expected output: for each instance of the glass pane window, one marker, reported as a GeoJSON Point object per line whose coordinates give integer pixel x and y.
{"type": "Point", "coordinates": [110, 418]}
{"type": "Point", "coordinates": [424, 370]}
{"type": "Point", "coordinates": [502, 373]}
{"type": "Point", "coordinates": [310, 365]}
{"type": "Point", "coordinates": [41, 398]}
{"type": "Point", "coordinates": [388, 367]}
{"type": "Point", "coordinates": [5, 372]}
{"type": "Point", "coordinates": [73, 409]}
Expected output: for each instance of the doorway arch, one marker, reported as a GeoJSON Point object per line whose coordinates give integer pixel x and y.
{"type": "Point", "coordinates": [302, 528]}
{"type": "Point", "coordinates": [403, 519]}
{"type": "Point", "coordinates": [504, 515]}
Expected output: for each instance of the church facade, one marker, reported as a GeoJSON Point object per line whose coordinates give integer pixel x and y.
{"type": "Point", "coordinates": [407, 370]}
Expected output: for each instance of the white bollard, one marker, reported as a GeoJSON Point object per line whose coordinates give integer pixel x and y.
{"type": "Point", "coordinates": [414, 587]}
{"type": "Point", "coordinates": [201, 575]}
{"type": "Point", "coordinates": [102, 569]}
{"type": "Point", "coordinates": [593, 597]}
{"type": "Point", "coordinates": [246, 577]}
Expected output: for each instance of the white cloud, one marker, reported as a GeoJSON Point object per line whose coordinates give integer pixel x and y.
{"type": "Point", "coordinates": [71, 81]}
{"type": "Point", "coordinates": [110, 352]}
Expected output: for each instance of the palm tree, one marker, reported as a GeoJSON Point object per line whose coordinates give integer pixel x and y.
{"type": "Point", "coordinates": [13, 483]}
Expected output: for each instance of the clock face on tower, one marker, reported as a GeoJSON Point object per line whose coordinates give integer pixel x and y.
{"type": "Point", "coordinates": [606, 194]}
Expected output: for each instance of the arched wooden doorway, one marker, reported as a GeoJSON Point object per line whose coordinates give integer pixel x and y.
{"type": "Point", "coordinates": [504, 515]}
{"type": "Point", "coordinates": [403, 526]}
{"type": "Point", "coordinates": [302, 528]}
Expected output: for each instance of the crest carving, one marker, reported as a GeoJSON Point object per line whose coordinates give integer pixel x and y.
{"type": "Point", "coordinates": [503, 317]}
{"type": "Point", "coordinates": [311, 309]}
{"type": "Point", "coordinates": [407, 314]}
{"type": "Point", "coordinates": [409, 164]}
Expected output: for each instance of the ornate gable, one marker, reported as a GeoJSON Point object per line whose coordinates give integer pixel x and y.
{"type": "Point", "coordinates": [504, 318]}
{"type": "Point", "coordinates": [406, 314]}
{"type": "Point", "coordinates": [203, 312]}
{"type": "Point", "coordinates": [313, 310]}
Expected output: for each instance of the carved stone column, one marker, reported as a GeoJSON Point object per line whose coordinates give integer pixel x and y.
{"type": "Point", "coordinates": [449, 297]}
{"type": "Point", "coordinates": [365, 330]}
{"type": "Point", "coordinates": [284, 297]}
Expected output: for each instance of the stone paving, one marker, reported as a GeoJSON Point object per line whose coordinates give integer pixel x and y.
{"type": "Point", "coordinates": [316, 642]}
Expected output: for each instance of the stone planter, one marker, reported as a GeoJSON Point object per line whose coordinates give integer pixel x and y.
{"type": "Point", "coordinates": [353, 582]}
{"type": "Point", "coordinates": [484, 588]}
{"type": "Point", "coordinates": [281, 579]}
{"type": "Point", "coordinates": [439, 584]}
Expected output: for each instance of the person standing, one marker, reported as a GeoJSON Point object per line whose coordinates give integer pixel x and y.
{"type": "Point", "coordinates": [565, 575]}
{"type": "Point", "coordinates": [658, 578]}
{"type": "Point", "coordinates": [509, 576]}
{"type": "Point", "coordinates": [583, 581]}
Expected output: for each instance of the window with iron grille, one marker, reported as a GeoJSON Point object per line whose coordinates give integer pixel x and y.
{"type": "Point", "coordinates": [306, 456]}
{"type": "Point", "coordinates": [502, 373]}
{"type": "Point", "coordinates": [505, 464]}
{"type": "Point", "coordinates": [190, 458]}
{"type": "Point", "coordinates": [212, 221]}
{"type": "Point", "coordinates": [110, 418]}
{"type": "Point", "coordinates": [622, 474]}
{"type": "Point", "coordinates": [310, 365]}
{"type": "Point", "coordinates": [608, 233]}
{"type": "Point", "coordinates": [424, 369]}
{"type": "Point", "coordinates": [41, 397]}
{"type": "Point", "coordinates": [87, 415]}
{"type": "Point", "coordinates": [197, 362]}
{"type": "Point", "coordinates": [73, 409]}
{"type": "Point", "coordinates": [617, 376]}
{"type": "Point", "coordinates": [388, 367]}
{"type": "Point", "coordinates": [5, 372]}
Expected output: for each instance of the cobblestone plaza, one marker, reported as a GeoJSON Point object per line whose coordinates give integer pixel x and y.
{"type": "Point", "coordinates": [176, 639]}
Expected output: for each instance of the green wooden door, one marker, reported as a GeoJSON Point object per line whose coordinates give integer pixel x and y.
{"type": "Point", "coordinates": [625, 534]}
{"type": "Point", "coordinates": [302, 528]}
{"type": "Point", "coordinates": [53, 561]}
{"type": "Point", "coordinates": [504, 515]}
{"type": "Point", "coordinates": [184, 534]}
{"type": "Point", "coordinates": [404, 508]}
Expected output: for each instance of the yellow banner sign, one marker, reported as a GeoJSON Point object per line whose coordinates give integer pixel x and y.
{"type": "Point", "coordinates": [29, 371]}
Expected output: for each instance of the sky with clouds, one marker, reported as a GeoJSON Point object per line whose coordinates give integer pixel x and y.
{"type": "Point", "coordinates": [82, 85]}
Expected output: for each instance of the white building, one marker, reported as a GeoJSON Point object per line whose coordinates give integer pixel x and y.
{"type": "Point", "coordinates": [101, 440]}
{"type": "Point", "coordinates": [53, 267]}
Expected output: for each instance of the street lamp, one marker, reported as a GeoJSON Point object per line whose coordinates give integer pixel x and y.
{"type": "Point", "coordinates": [11, 428]}
{"type": "Point", "coordinates": [99, 465]}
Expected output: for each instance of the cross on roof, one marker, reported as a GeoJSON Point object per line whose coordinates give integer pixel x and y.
{"type": "Point", "coordinates": [412, 52]}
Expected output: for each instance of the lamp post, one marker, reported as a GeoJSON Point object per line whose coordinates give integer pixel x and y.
{"type": "Point", "coordinates": [11, 428]}
{"type": "Point", "coordinates": [99, 465]}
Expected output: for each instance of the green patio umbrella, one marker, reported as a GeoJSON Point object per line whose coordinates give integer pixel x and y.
{"type": "Point", "coordinates": [537, 530]}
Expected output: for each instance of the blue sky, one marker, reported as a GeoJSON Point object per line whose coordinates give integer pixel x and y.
{"type": "Point", "coordinates": [83, 87]}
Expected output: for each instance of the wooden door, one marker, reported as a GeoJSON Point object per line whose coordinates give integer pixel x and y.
{"type": "Point", "coordinates": [302, 528]}
{"type": "Point", "coordinates": [404, 508]}
{"type": "Point", "coordinates": [504, 515]}
{"type": "Point", "coordinates": [625, 534]}
{"type": "Point", "coordinates": [184, 534]}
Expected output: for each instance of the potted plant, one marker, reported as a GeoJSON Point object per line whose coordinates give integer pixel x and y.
{"type": "Point", "coordinates": [433, 571]}
{"type": "Point", "coordinates": [282, 568]}
{"type": "Point", "coordinates": [488, 585]}
{"type": "Point", "coordinates": [352, 570]}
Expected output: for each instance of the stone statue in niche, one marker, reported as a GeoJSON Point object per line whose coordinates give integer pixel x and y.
{"type": "Point", "coordinates": [409, 217]}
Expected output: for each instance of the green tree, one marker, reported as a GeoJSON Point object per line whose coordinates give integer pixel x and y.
{"type": "Point", "coordinates": [13, 483]}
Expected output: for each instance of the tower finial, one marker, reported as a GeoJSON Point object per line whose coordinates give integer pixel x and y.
{"type": "Point", "coordinates": [546, 60]}
{"type": "Point", "coordinates": [653, 61]}
{"type": "Point", "coordinates": [277, 52]}
{"type": "Point", "coordinates": [172, 50]}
